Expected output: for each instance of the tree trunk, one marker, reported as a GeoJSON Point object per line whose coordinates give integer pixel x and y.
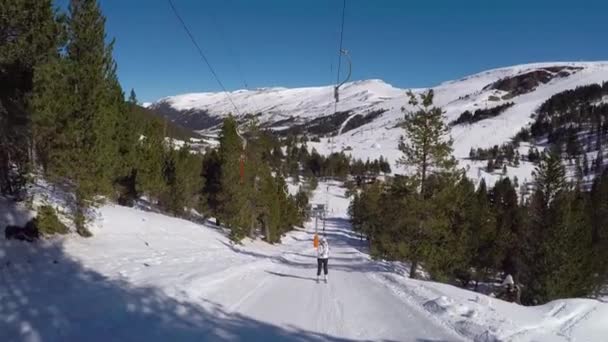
{"type": "Point", "coordinates": [413, 268]}
{"type": "Point", "coordinates": [80, 218]}
{"type": "Point", "coordinates": [267, 229]}
{"type": "Point", "coordinates": [252, 227]}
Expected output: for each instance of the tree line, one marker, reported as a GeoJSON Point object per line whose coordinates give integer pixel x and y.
{"type": "Point", "coordinates": [63, 116]}
{"type": "Point", "coordinates": [574, 122]}
{"type": "Point", "coordinates": [552, 242]}
{"type": "Point", "coordinates": [298, 161]}
{"type": "Point", "coordinates": [480, 114]}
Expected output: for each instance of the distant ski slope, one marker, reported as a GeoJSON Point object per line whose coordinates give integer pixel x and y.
{"type": "Point", "coordinates": [381, 136]}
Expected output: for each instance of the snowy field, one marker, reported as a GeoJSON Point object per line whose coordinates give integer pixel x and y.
{"type": "Point", "coordinates": [149, 277]}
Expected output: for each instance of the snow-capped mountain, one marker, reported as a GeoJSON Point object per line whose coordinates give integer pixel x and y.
{"type": "Point", "coordinates": [369, 111]}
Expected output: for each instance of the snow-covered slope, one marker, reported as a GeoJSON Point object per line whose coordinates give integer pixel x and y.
{"type": "Point", "coordinates": [527, 86]}
{"type": "Point", "coordinates": [149, 277]}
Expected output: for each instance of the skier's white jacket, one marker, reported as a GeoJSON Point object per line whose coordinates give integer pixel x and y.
{"type": "Point", "coordinates": [323, 251]}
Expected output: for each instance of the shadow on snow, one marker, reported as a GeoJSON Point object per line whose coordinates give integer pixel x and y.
{"type": "Point", "coordinates": [46, 295]}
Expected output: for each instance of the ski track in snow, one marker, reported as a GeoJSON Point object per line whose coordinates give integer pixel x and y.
{"type": "Point", "coordinates": [148, 277]}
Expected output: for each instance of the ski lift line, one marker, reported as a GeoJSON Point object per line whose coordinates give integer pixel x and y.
{"type": "Point", "coordinates": [341, 40]}
{"type": "Point", "coordinates": [202, 55]}
{"type": "Point", "coordinates": [341, 52]}
{"type": "Point", "coordinates": [232, 54]}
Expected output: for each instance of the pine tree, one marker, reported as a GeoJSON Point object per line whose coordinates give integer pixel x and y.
{"type": "Point", "coordinates": [483, 235]}
{"type": "Point", "coordinates": [233, 196]}
{"type": "Point", "coordinates": [599, 162]}
{"type": "Point", "coordinates": [183, 181]}
{"type": "Point", "coordinates": [78, 105]}
{"type": "Point", "coordinates": [490, 165]}
{"type": "Point", "coordinates": [150, 162]}
{"type": "Point", "coordinates": [550, 177]}
{"type": "Point", "coordinates": [301, 200]}
{"type": "Point", "coordinates": [212, 183]}
{"type": "Point", "coordinates": [508, 246]}
{"type": "Point", "coordinates": [578, 171]}
{"type": "Point", "coordinates": [451, 257]}
{"type": "Point", "coordinates": [546, 220]}
{"type": "Point", "coordinates": [133, 97]}
{"type": "Point", "coordinates": [585, 165]}
{"type": "Point", "coordinates": [271, 208]}
{"type": "Point", "coordinates": [428, 151]}
{"type": "Point", "coordinates": [385, 166]}
{"type": "Point", "coordinates": [314, 163]}
{"type": "Point", "coordinates": [29, 38]}
{"type": "Point", "coordinates": [365, 211]}
{"type": "Point", "coordinates": [255, 168]}
{"type": "Point", "coordinates": [598, 216]}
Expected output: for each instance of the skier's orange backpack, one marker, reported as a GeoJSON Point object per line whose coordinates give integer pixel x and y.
{"type": "Point", "coordinates": [315, 241]}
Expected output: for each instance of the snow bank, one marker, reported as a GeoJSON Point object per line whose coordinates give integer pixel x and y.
{"type": "Point", "coordinates": [485, 319]}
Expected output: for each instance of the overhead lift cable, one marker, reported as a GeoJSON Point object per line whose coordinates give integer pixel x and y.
{"type": "Point", "coordinates": [203, 57]}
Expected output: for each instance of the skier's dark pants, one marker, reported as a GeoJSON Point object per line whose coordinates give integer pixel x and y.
{"type": "Point", "coordinates": [321, 262]}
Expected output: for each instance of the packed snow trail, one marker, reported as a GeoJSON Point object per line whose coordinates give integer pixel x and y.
{"type": "Point", "coordinates": [351, 305]}
{"type": "Point", "coordinates": [148, 277]}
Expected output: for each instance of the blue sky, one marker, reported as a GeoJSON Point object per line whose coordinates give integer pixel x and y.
{"type": "Point", "coordinates": [294, 42]}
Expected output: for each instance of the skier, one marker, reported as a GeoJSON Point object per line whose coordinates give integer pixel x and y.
{"type": "Point", "coordinates": [510, 292]}
{"type": "Point", "coordinates": [322, 258]}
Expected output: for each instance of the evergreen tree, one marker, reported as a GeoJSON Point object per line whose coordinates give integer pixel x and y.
{"type": "Point", "coordinates": [289, 214]}
{"type": "Point", "coordinates": [508, 246]}
{"type": "Point", "coordinates": [599, 162]}
{"type": "Point", "coordinates": [255, 168]}
{"type": "Point", "coordinates": [301, 201]}
{"type": "Point", "coordinates": [598, 216]}
{"type": "Point", "coordinates": [150, 162]}
{"type": "Point", "coordinates": [490, 166]}
{"type": "Point", "coordinates": [585, 165]}
{"type": "Point", "coordinates": [365, 212]}
{"type": "Point", "coordinates": [233, 197]}
{"type": "Point", "coordinates": [29, 38]}
{"type": "Point", "coordinates": [550, 177]}
{"type": "Point", "coordinates": [182, 175]}
{"type": "Point", "coordinates": [450, 255]}
{"type": "Point", "coordinates": [212, 183]}
{"type": "Point", "coordinates": [132, 97]}
{"type": "Point", "coordinates": [428, 151]}
{"type": "Point", "coordinates": [315, 163]}
{"type": "Point", "coordinates": [546, 220]}
{"type": "Point", "coordinates": [385, 166]}
{"type": "Point", "coordinates": [483, 235]}
{"type": "Point", "coordinates": [78, 105]}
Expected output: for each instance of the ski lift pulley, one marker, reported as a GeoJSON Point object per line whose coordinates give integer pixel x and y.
{"type": "Point", "coordinates": [337, 87]}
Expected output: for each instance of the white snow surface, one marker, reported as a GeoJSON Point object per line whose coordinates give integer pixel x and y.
{"type": "Point", "coordinates": [381, 136]}
{"type": "Point", "coordinates": [149, 277]}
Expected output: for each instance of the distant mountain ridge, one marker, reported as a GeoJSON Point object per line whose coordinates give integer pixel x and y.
{"type": "Point", "coordinates": [375, 109]}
